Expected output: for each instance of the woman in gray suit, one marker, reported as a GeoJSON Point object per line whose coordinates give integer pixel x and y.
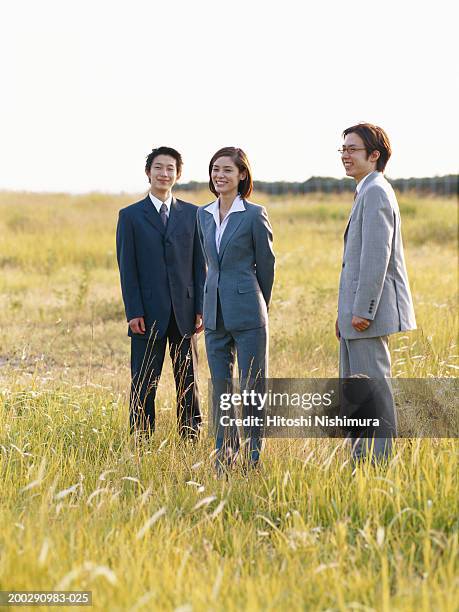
{"type": "Point", "coordinates": [237, 241]}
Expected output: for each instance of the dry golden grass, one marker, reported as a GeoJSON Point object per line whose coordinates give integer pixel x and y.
{"type": "Point", "coordinates": [82, 508]}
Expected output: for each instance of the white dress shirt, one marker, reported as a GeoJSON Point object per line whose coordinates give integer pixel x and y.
{"type": "Point", "coordinates": [214, 210]}
{"type": "Point", "coordinates": [361, 182]}
{"type": "Point", "coordinates": [158, 203]}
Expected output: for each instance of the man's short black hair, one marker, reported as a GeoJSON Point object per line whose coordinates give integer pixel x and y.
{"type": "Point", "coordinates": [375, 139]}
{"type": "Point", "coordinates": [164, 151]}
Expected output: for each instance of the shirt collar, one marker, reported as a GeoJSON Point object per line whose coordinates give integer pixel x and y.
{"type": "Point", "coordinates": [214, 208]}
{"type": "Point", "coordinates": [157, 202]}
{"type": "Point", "coordinates": [361, 182]}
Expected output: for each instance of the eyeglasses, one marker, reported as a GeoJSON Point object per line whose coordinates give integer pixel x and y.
{"type": "Point", "coordinates": [350, 150]}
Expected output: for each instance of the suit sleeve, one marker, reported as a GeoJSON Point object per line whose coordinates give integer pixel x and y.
{"type": "Point", "coordinates": [127, 264]}
{"type": "Point", "coordinates": [377, 233]}
{"type": "Point", "coordinates": [199, 268]}
{"type": "Point", "coordinates": [262, 234]}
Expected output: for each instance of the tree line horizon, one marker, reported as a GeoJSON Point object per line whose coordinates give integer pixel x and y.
{"type": "Point", "coordinates": [447, 185]}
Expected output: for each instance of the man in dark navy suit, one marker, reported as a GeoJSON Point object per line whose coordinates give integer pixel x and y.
{"type": "Point", "coordinates": [162, 273]}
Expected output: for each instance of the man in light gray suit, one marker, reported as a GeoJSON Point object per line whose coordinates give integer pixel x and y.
{"type": "Point", "coordinates": [374, 293]}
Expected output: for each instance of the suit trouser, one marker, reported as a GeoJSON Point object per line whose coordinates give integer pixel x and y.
{"type": "Point", "coordinates": [251, 348]}
{"type": "Point", "coordinates": [147, 358]}
{"type": "Point", "coordinates": [371, 357]}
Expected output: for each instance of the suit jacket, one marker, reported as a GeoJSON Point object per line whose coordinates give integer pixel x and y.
{"type": "Point", "coordinates": [242, 272]}
{"type": "Point", "coordinates": [160, 268]}
{"type": "Point", "coordinates": [374, 282]}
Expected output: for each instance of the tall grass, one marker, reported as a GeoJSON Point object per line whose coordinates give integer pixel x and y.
{"type": "Point", "coordinates": [149, 528]}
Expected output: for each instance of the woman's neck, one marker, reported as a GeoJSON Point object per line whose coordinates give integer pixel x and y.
{"type": "Point", "coordinates": [226, 201]}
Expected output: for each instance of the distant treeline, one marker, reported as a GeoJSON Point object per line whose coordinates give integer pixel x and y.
{"type": "Point", "coordinates": [436, 185]}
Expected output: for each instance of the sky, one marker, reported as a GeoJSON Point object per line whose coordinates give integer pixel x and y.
{"type": "Point", "coordinates": [90, 87]}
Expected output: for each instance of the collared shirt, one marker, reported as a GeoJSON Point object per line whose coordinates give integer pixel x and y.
{"type": "Point", "coordinates": [361, 182]}
{"type": "Point", "coordinates": [214, 210]}
{"type": "Point", "coordinates": [158, 203]}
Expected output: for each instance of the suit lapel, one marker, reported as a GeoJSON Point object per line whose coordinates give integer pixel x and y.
{"type": "Point", "coordinates": [350, 215]}
{"type": "Point", "coordinates": [210, 233]}
{"type": "Point", "coordinates": [367, 182]}
{"type": "Point", "coordinates": [174, 217]}
{"type": "Point", "coordinates": [234, 221]}
{"type": "Point", "coordinates": [152, 215]}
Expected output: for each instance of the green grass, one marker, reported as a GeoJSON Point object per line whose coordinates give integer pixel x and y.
{"type": "Point", "coordinates": [151, 529]}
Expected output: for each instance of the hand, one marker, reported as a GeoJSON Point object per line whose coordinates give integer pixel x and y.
{"type": "Point", "coordinates": [137, 325]}
{"type": "Point", "coordinates": [337, 333]}
{"type": "Point", "coordinates": [360, 324]}
{"type": "Point", "coordinates": [198, 326]}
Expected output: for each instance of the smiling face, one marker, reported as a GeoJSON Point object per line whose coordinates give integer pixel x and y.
{"type": "Point", "coordinates": [163, 175]}
{"type": "Point", "coordinates": [226, 176]}
{"type": "Point", "coordinates": [356, 161]}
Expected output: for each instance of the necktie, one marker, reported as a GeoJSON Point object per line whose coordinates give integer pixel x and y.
{"type": "Point", "coordinates": [356, 193]}
{"type": "Point", "coordinates": [163, 213]}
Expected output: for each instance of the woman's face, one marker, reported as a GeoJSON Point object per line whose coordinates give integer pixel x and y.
{"type": "Point", "coordinates": [226, 176]}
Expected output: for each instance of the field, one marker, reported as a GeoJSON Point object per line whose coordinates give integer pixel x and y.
{"type": "Point", "coordinates": [82, 509]}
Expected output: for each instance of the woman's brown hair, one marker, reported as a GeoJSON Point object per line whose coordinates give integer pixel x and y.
{"type": "Point", "coordinates": [239, 158]}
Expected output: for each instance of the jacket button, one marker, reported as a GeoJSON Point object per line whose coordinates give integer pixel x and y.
{"type": "Point", "coordinates": [343, 264]}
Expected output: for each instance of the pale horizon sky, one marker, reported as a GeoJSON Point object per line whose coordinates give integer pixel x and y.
{"type": "Point", "coordinates": [90, 87]}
